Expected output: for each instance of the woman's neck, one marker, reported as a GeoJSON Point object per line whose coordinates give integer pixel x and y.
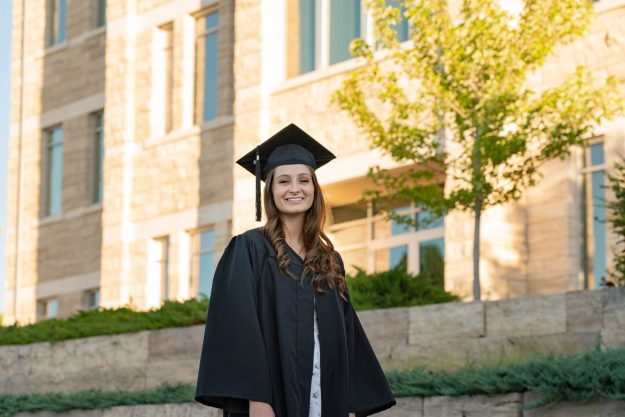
{"type": "Point", "coordinates": [294, 229]}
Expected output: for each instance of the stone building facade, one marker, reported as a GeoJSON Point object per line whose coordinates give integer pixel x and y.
{"type": "Point", "coordinates": [127, 117]}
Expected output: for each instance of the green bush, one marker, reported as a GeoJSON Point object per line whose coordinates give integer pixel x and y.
{"type": "Point", "coordinates": [107, 321]}
{"type": "Point", "coordinates": [11, 404]}
{"type": "Point", "coordinates": [558, 377]}
{"type": "Point", "coordinates": [394, 288]}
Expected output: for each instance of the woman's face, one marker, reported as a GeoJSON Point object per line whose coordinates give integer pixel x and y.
{"type": "Point", "coordinates": [293, 189]}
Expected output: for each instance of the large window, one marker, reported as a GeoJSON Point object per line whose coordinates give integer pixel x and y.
{"type": "Point", "coordinates": [56, 17]}
{"type": "Point", "coordinates": [47, 309]}
{"type": "Point", "coordinates": [53, 192]}
{"type": "Point", "coordinates": [203, 262]}
{"type": "Point", "coordinates": [594, 256]}
{"type": "Point", "coordinates": [327, 27]}
{"type": "Point", "coordinates": [97, 124]}
{"type": "Point", "coordinates": [369, 241]}
{"type": "Point", "coordinates": [206, 69]}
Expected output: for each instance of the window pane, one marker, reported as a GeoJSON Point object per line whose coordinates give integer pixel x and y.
{"type": "Point", "coordinates": [207, 270]}
{"type": "Point", "coordinates": [384, 228]}
{"type": "Point", "coordinates": [427, 221]}
{"type": "Point", "coordinates": [210, 78]}
{"type": "Point", "coordinates": [98, 157]}
{"type": "Point", "coordinates": [386, 259]}
{"type": "Point", "coordinates": [100, 13]}
{"type": "Point", "coordinates": [599, 264]}
{"type": "Point", "coordinates": [344, 27]}
{"type": "Point", "coordinates": [55, 171]}
{"type": "Point", "coordinates": [402, 27]}
{"type": "Point", "coordinates": [349, 212]}
{"type": "Point", "coordinates": [211, 21]}
{"type": "Point", "coordinates": [168, 60]}
{"type": "Point", "coordinates": [207, 240]}
{"type": "Point", "coordinates": [307, 35]}
{"type": "Point", "coordinates": [53, 309]}
{"type": "Point", "coordinates": [353, 259]}
{"type": "Point", "coordinates": [432, 260]}
{"type": "Point", "coordinates": [62, 13]}
{"type": "Point", "coordinates": [596, 154]}
{"type": "Point", "coordinates": [353, 234]}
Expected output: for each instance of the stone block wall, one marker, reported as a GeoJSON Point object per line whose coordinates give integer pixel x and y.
{"type": "Point", "coordinates": [441, 336]}
{"type": "Point", "coordinates": [510, 405]}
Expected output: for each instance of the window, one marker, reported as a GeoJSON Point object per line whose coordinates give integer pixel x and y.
{"type": "Point", "coordinates": [55, 21]}
{"type": "Point", "coordinates": [100, 13]}
{"type": "Point", "coordinates": [47, 309]}
{"type": "Point", "coordinates": [163, 267]}
{"type": "Point", "coordinates": [402, 26]}
{"type": "Point", "coordinates": [54, 171]}
{"type": "Point", "coordinates": [326, 29]}
{"type": "Point", "coordinates": [97, 123]}
{"type": "Point", "coordinates": [344, 27]}
{"type": "Point", "coordinates": [369, 241]}
{"type": "Point", "coordinates": [594, 256]}
{"type": "Point", "coordinates": [203, 262]}
{"type": "Point", "coordinates": [207, 54]}
{"type": "Point", "coordinates": [92, 299]}
{"type": "Point", "coordinates": [167, 60]}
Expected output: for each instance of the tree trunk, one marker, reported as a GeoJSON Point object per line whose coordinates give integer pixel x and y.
{"type": "Point", "coordinates": [476, 250]}
{"type": "Point", "coordinates": [478, 203]}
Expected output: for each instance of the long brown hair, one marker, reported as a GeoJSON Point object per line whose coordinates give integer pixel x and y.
{"type": "Point", "coordinates": [321, 260]}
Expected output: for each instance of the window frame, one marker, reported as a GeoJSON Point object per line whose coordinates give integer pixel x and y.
{"type": "Point", "coordinates": [96, 120]}
{"type": "Point", "coordinates": [48, 146]}
{"type": "Point", "coordinates": [99, 13]}
{"type": "Point", "coordinates": [196, 254]}
{"type": "Point", "coordinates": [95, 292]}
{"type": "Point", "coordinates": [46, 303]}
{"type": "Point", "coordinates": [56, 22]}
{"type": "Point", "coordinates": [200, 36]}
{"type": "Point", "coordinates": [588, 245]}
{"type": "Point", "coordinates": [372, 244]}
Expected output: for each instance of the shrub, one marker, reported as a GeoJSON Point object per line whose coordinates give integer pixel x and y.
{"type": "Point", "coordinates": [107, 321]}
{"type": "Point", "coordinates": [394, 288]}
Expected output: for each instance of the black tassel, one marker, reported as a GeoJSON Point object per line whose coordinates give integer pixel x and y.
{"type": "Point", "coordinates": [258, 171]}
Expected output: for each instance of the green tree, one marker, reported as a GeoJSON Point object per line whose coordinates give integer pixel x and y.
{"type": "Point", "coordinates": [617, 220]}
{"type": "Point", "coordinates": [455, 102]}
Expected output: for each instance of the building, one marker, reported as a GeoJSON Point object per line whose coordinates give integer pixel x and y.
{"type": "Point", "coordinates": [127, 117]}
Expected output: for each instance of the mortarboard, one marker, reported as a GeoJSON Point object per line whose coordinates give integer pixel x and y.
{"type": "Point", "coordinates": [291, 145]}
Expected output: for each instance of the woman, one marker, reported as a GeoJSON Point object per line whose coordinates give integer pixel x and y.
{"type": "Point", "coordinates": [282, 338]}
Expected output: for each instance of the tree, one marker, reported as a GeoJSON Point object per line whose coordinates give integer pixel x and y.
{"type": "Point", "coordinates": [617, 220]}
{"type": "Point", "coordinates": [455, 104]}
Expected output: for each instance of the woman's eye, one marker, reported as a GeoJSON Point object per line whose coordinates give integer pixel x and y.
{"type": "Point", "coordinates": [283, 182]}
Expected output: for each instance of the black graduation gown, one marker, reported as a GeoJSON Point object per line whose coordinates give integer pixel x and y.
{"type": "Point", "coordinates": [259, 341]}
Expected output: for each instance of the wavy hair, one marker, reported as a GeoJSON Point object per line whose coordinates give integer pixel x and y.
{"type": "Point", "coordinates": [321, 259]}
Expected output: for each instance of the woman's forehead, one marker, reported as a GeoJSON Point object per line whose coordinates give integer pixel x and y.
{"type": "Point", "coordinates": [292, 169]}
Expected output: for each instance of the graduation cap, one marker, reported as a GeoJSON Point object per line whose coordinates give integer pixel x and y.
{"type": "Point", "coordinates": [291, 145]}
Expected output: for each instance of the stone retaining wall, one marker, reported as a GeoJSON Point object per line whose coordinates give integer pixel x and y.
{"type": "Point", "coordinates": [509, 405]}
{"type": "Point", "coordinates": [442, 336]}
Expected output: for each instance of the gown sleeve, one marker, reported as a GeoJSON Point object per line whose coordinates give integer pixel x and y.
{"type": "Point", "coordinates": [233, 366]}
{"type": "Point", "coordinates": [369, 392]}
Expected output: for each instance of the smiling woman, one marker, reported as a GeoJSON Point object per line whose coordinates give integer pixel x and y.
{"type": "Point", "coordinates": [282, 337]}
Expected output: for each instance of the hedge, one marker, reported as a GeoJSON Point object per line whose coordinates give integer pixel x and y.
{"type": "Point", "coordinates": [106, 322]}
{"type": "Point", "coordinates": [394, 288]}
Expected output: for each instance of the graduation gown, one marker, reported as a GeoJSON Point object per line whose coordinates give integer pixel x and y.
{"type": "Point", "coordinates": [259, 341]}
